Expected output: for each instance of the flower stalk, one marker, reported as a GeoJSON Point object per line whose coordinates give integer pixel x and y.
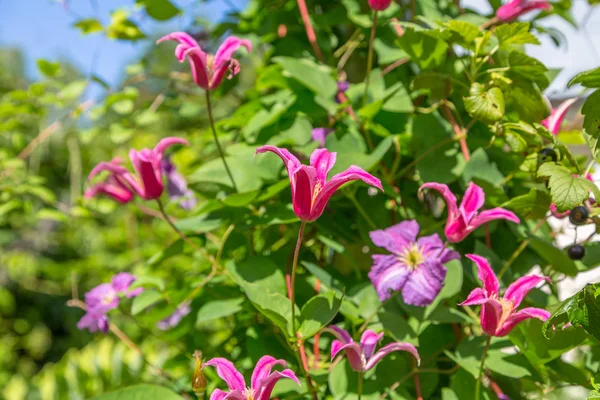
{"type": "Point", "coordinates": [294, 267]}
{"type": "Point", "coordinates": [481, 368]}
{"type": "Point", "coordinates": [370, 57]}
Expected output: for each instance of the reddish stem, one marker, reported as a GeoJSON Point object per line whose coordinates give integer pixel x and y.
{"type": "Point", "coordinates": [488, 239]}
{"type": "Point", "coordinates": [458, 132]}
{"type": "Point", "coordinates": [310, 32]}
{"type": "Point", "coordinates": [417, 383]}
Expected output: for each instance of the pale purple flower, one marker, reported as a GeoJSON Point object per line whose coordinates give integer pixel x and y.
{"type": "Point", "coordinates": [208, 71]}
{"type": "Point", "coordinates": [342, 86]}
{"type": "Point", "coordinates": [177, 186]}
{"type": "Point", "coordinates": [261, 384]}
{"type": "Point", "coordinates": [362, 356]}
{"type": "Point", "coordinates": [320, 134]}
{"type": "Point", "coordinates": [310, 188]}
{"type": "Point", "coordinates": [464, 219]}
{"type": "Point", "coordinates": [515, 8]}
{"type": "Point", "coordinates": [93, 322]}
{"type": "Point", "coordinates": [558, 114]}
{"type": "Point", "coordinates": [175, 318]}
{"type": "Point", "coordinates": [498, 314]}
{"type": "Point", "coordinates": [415, 267]}
{"type": "Point", "coordinates": [121, 183]}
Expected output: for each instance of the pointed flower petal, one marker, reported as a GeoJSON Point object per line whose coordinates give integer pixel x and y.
{"type": "Point", "coordinates": [476, 297]}
{"type": "Point", "coordinates": [230, 46]}
{"type": "Point", "coordinates": [396, 238]}
{"type": "Point", "coordinates": [385, 350]}
{"type": "Point", "coordinates": [322, 160]}
{"type": "Point", "coordinates": [167, 142]}
{"type": "Point", "coordinates": [354, 354]}
{"type": "Point", "coordinates": [520, 316]}
{"type": "Point", "coordinates": [472, 201]}
{"type": "Point", "coordinates": [491, 315]}
{"type": "Point", "coordinates": [517, 290]}
{"type": "Point", "coordinates": [197, 60]}
{"type": "Point", "coordinates": [290, 161]}
{"type": "Point", "coordinates": [486, 275]}
{"type": "Point", "coordinates": [554, 121]}
{"type": "Point", "coordinates": [341, 334]}
{"type": "Point", "coordinates": [369, 341]}
{"type": "Point", "coordinates": [266, 386]}
{"type": "Point", "coordinates": [491, 215]}
{"type": "Point", "coordinates": [227, 371]}
{"type": "Point", "coordinates": [263, 369]}
{"type": "Point", "coordinates": [448, 197]}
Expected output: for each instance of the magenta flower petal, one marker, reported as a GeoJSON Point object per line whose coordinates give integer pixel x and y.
{"type": "Point", "coordinates": [197, 60]}
{"type": "Point", "coordinates": [515, 8]}
{"type": "Point", "coordinates": [290, 161]}
{"type": "Point", "coordinates": [229, 47]}
{"type": "Point", "coordinates": [385, 350]}
{"type": "Point", "coordinates": [111, 188]}
{"type": "Point", "coordinates": [303, 180]}
{"type": "Point", "coordinates": [112, 166]}
{"type": "Point", "coordinates": [351, 174]}
{"type": "Point", "coordinates": [424, 283]}
{"type": "Point", "coordinates": [447, 195]}
{"type": "Point", "coordinates": [369, 341]}
{"type": "Point", "coordinates": [322, 160]}
{"type": "Point", "coordinates": [218, 394]}
{"type": "Point", "coordinates": [491, 316]}
{"type": "Point", "coordinates": [397, 237]}
{"type": "Point", "coordinates": [227, 371]}
{"type": "Point", "coordinates": [263, 369]}
{"type": "Point", "coordinates": [354, 354]}
{"type": "Point", "coordinates": [181, 37]}
{"type": "Point", "coordinates": [342, 334]}
{"type": "Point", "coordinates": [520, 316]}
{"type": "Point", "coordinates": [265, 388]}
{"type": "Point", "coordinates": [472, 201]}
{"type": "Point", "coordinates": [476, 297]}
{"type": "Point", "coordinates": [494, 214]}
{"type": "Point", "coordinates": [519, 288]}
{"type": "Point", "coordinates": [486, 275]}
{"type": "Point", "coordinates": [555, 120]}
{"type": "Point", "coordinates": [165, 143]}
{"type": "Point", "coordinates": [320, 134]}
{"type": "Point", "coordinates": [144, 164]}
{"type": "Point", "coordinates": [387, 275]}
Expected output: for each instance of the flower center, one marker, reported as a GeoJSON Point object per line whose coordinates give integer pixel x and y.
{"type": "Point", "coordinates": [412, 256]}
{"type": "Point", "coordinates": [210, 61]}
{"type": "Point", "coordinates": [248, 394]}
{"type": "Point", "coordinates": [109, 298]}
{"type": "Point", "coordinates": [507, 309]}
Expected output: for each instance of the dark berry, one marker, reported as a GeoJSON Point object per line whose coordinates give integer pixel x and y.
{"type": "Point", "coordinates": [579, 215]}
{"type": "Point", "coordinates": [547, 155]}
{"type": "Point", "coordinates": [576, 252]}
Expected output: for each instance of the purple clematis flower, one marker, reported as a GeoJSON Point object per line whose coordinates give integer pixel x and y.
{"type": "Point", "coordinates": [416, 266]}
{"type": "Point", "coordinates": [208, 71]}
{"type": "Point", "coordinates": [147, 164]}
{"type": "Point", "coordinates": [177, 186]}
{"type": "Point", "coordinates": [175, 318]}
{"type": "Point", "coordinates": [320, 134]}
{"type": "Point", "coordinates": [515, 8]}
{"type": "Point", "coordinates": [558, 114]}
{"type": "Point", "coordinates": [498, 315]}
{"type": "Point", "coordinates": [362, 357]}
{"type": "Point", "coordinates": [310, 189]}
{"type": "Point", "coordinates": [261, 384]}
{"type": "Point", "coordinates": [465, 219]}
{"type": "Point", "coordinates": [105, 297]}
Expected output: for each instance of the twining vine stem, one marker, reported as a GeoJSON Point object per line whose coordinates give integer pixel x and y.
{"type": "Point", "coordinates": [481, 368]}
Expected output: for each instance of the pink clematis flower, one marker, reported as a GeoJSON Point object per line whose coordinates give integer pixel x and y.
{"type": "Point", "coordinates": [208, 70]}
{"type": "Point", "coordinates": [121, 184]}
{"type": "Point", "coordinates": [261, 384]}
{"type": "Point", "coordinates": [498, 315]}
{"type": "Point", "coordinates": [515, 8]}
{"type": "Point", "coordinates": [465, 219]}
{"type": "Point", "coordinates": [310, 189]}
{"type": "Point", "coordinates": [558, 114]}
{"type": "Point", "coordinates": [379, 5]}
{"type": "Point", "coordinates": [362, 357]}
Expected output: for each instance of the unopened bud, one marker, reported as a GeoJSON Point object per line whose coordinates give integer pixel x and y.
{"type": "Point", "coordinates": [198, 379]}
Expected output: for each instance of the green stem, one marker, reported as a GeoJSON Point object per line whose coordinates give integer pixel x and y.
{"type": "Point", "coordinates": [214, 132]}
{"type": "Point", "coordinates": [362, 211]}
{"type": "Point", "coordinates": [161, 207]}
{"type": "Point", "coordinates": [370, 57]}
{"type": "Point", "coordinates": [360, 384]}
{"type": "Point", "coordinates": [293, 283]}
{"type": "Point", "coordinates": [481, 368]}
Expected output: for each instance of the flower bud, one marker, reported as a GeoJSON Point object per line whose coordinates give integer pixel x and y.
{"type": "Point", "coordinates": [198, 379]}
{"type": "Point", "coordinates": [379, 5]}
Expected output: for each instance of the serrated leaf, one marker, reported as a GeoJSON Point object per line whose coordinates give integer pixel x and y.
{"type": "Point", "coordinates": [516, 33]}
{"type": "Point", "coordinates": [533, 205]}
{"type": "Point", "coordinates": [529, 68]}
{"type": "Point", "coordinates": [467, 31]}
{"type": "Point", "coordinates": [485, 105]}
{"type": "Point", "coordinates": [527, 101]}
{"type": "Point", "coordinates": [591, 113]}
{"type": "Point", "coordinates": [588, 79]}
{"type": "Point", "coordinates": [423, 47]}
{"type": "Point", "coordinates": [566, 190]}
{"type": "Point", "coordinates": [318, 313]}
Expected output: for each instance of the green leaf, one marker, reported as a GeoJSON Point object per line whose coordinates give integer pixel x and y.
{"type": "Point", "coordinates": [529, 68]}
{"type": "Point", "coordinates": [148, 280]}
{"type": "Point", "coordinates": [88, 25]}
{"type": "Point", "coordinates": [516, 33]}
{"type": "Point", "coordinates": [486, 106]}
{"type": "Point", "coordinates": [49, 69]}
{"type": "Point", "coordinates": [566, 190]}
{"type": "Point", "coordinates": [588, 79]}
{"type": "Point", "coordinates": [258, 270]}
{"type": "Point", "coordinates": [467, 31]}
{"type": "Point", "coordinates": [73, 90]}
{"type": "Point", "coordinates": [160, 10]}
{"type": "Point", "coordinates": [274, 306]}
{"type": "Point", "coordinates": [140, 392]}
{"type": "Point", "coordinates": [482, 168]}
{"type": "Point", "coordinates": [123, 28]}
{"type": "Point", "coordinates": [318, 312]}
{"type": "Point", "coordinates": [581, 309]}
{"type": "Point", "coordinates": [317, 78]}
{"type": "Point", "coordinates": [556, 257]}
{"type": "Point", "coordinates": [423, 47]}
{"type": "Point", "coordinates": [145, 300]}
{"type": "Point", "coordinates": [591, 112]}
{"type": "Point", "coordinates": [498, 362]}
{"type": "Point", "coordinates": [594, 395]}
{"type": "Point", "coordinates": [240, 199]}
{"type": "Point", "coordinates": [527, 101]}
{"type": "Point", "coordinates": [218, 309]}
{"type": "Point", "coordinates": [533, 205]}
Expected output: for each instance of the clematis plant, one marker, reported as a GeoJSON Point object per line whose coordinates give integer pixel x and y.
{"type": "Point", "coordinates": [415, 267]}
{"type": "Point", "coordinates": [498, 314]}
{"type": "Point", "coordinates": [261, 384]}
{"type": "Point", "coordinates": [320, 134]}
{"type": "Point", "coordinates": [464, 219]}
{"type": "Point", "coordinates": [379, 5]}
{"type": "Point", "coordinates": [177, 186]}
{"type": "Point", "coordinates": [516, 8]}
{"type": "Point", "coordinates": [105, 297]}
{"type": "Point", "coordinates": [208, 71]}
{"type": "Point", "coordinates": [121, 184]}
{"type": "Point", "coordinates": [362, 356]}
{"type": "Point", "coordinates": [310, 188]}
{"type": "Point", "coordinates": [557, 116]}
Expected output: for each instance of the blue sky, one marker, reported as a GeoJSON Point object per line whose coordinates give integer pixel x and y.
{"type": "Point", "coordinates": [43, 28]}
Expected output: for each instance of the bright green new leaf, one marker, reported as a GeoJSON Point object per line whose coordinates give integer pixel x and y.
{"type": "Point", "coordinates": [533, 205]}
{"type": "Point", "coordinates": [566, 190]}
{"type": "Point", "coordinates": [588, 79]}
{"type": "Point", "coordinates": [515, 33]}
{"type": "Point", "coordinates": [485, 105]}
{"type": "Point", "coordinates": [88, 25]}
